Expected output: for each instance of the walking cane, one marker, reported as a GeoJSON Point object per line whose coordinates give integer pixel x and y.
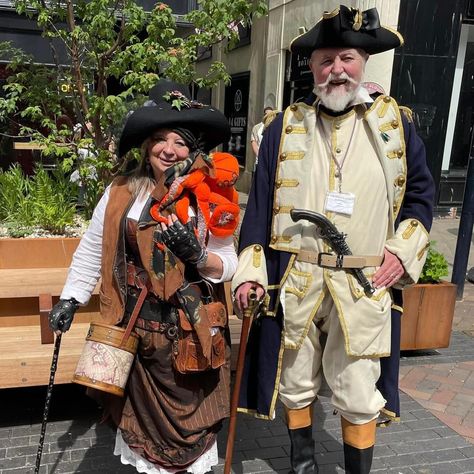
{"type": "Point", "coordinates": [247, 320]}
{"type": "Point", "coordinates": [47, 403]}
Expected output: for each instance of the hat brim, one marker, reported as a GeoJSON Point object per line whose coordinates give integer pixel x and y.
{"type": "Point", "coordinates": [207, 123]}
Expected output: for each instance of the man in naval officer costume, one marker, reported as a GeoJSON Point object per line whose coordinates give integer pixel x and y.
{"type": "Point", "coordinates": [357, 159]}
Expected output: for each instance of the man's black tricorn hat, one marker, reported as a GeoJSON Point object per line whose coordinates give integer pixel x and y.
{"type": "Point", "coordinates": [348, 27]}
{"type": "Point", "coordinates": [170, 107]}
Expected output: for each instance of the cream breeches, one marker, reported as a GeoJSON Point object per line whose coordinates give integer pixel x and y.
{"type": "Point", "coordinates": [351, 379]}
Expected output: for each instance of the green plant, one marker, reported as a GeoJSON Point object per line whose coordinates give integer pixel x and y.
{"type": "Point", "coordinates": [436, 266]}
{"type": "Point", "coordinates": [46, 200]}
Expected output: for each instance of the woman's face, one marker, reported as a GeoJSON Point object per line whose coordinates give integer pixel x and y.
{"type": "Point", "coordinates": [164, 150]}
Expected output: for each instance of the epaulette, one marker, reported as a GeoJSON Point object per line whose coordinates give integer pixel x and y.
{"type": "Point", "coordinates": [269, 118]}
{"type": "Point", "coordinates": [407, 112]}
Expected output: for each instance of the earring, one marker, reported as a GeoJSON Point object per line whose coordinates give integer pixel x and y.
{"type": "Point", "coordinates": [148, 166]}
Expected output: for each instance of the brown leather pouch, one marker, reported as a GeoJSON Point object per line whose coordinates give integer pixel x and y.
{"type": "Point", "coordinates": [190, 357]}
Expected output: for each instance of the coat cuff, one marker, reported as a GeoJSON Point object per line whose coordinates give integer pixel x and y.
{"type": "Point", "coordinates": [252, 266]}
{"type": "Point", "coordinates": [410, 244]}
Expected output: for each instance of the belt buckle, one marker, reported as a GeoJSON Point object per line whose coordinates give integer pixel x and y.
{"type": "Point", "coordinates": [320, 255]}
{"type": "Point", "coordinates": [339, 260]}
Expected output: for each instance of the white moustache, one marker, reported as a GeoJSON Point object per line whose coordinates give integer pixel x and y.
{"type": "Point", "coordinates": [340, 77]}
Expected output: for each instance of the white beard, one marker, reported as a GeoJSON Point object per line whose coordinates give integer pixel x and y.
{"type": "Point", "coordinates": [340, 97]}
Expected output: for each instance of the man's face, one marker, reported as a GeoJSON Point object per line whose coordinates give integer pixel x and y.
{"type": "Point", "coordinates": [337, 74]}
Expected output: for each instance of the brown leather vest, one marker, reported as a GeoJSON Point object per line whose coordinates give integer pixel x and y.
{"type": "Point", "coordinates": [113, 291]}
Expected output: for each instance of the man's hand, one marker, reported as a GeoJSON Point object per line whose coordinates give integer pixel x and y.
{"type": "Point", "coordinates": [389, 272]}
{"type": "Point", "coordinates": [241, 295]}
{"type": "Point", "coordinates": [182, 241]}
{"type": "Point", "coordinates": [60, 317]}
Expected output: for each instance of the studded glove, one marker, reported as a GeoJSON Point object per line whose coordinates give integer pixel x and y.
{"type": "Point", "coordinates": [60, 317]}
{"type": "Point", "coordinates": [182, 241]}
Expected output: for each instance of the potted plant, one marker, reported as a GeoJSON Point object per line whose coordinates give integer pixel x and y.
{"type": "Point", "coordinates": [428, 306]}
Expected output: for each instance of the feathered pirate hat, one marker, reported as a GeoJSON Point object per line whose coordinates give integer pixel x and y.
{"type": "Point", "coordinates": [348, 27]}
{"type": "Point", "coordinates": [170, 107]}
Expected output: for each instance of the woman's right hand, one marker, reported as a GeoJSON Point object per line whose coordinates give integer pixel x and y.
{"type": "Point", "coordinates": [241, 295]}
{"type": "Point", "coordinates": [62, 314]}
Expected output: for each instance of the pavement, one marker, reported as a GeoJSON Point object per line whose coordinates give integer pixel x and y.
{"type": "Point", "coordinates": [435, 434]}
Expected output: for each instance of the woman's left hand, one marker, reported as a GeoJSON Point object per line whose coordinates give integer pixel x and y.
{"type": "Point", "coordinates": [389, 272]}
{"type": "Point", "coordinates": [182, 241]}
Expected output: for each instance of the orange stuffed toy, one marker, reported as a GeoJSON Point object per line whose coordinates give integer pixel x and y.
{"type": "Point", "coordinates": [215, 195]}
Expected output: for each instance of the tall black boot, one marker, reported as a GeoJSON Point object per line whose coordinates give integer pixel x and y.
{"type": "Point", "coordinates": [359, 441]}
{"type": "Point", "coordinates": [303, 460]}
{"type": "Point", "coordinates": [358, 461]}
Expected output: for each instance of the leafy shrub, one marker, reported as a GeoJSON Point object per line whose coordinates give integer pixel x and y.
{"type": "Point", "coordinates": [436, 266]}
{"type": "Point", "coordinates": [46, 200]}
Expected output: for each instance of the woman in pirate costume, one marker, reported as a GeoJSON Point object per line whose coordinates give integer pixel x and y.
{"type": "Point", "coordinates": [168, 226]}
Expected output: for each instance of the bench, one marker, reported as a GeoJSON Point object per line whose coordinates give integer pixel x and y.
{"type": "Point", "coordinates": [26, 297]}
{"type": "Point", "coordinates": [32, 275]}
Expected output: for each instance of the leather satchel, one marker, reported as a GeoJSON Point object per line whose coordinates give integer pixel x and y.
{"type": "Point", "coordinates": [189, 357]}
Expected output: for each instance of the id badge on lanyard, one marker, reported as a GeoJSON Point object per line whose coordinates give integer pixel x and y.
{"type": "Point", "coordinates": [340, 203]}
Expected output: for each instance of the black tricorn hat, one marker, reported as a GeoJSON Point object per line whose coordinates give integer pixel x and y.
{"type": "Point", "coordinates": [170, 107]}
{"type": "Point", "coordinates": [348, 27]}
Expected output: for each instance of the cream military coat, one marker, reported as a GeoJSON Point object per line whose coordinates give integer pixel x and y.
{"type": "Point", "coordinates": [371, 144]}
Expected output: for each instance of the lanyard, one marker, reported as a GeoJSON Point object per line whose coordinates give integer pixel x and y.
{"type": "Point", "coordinates": [339, 164]}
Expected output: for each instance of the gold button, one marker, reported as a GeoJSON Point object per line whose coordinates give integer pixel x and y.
{"type": "Point", "coordinates": [276, 209]}
{"type": "Point", "coordinates": [387, 99]}
{"type": "Point", "coordinates": [338, 150]}
{"type": "Point", "coordinates": [273, 240]}
{"type": "Point", "coordinates": [283, 157]}
{"type": "Point", "coordinates": [279, 183]}
{"type": "Point", "coordinates": [337, 126]}
{"type": "Point", "coordinates": [400, 181]}
{"type": "Point", "coordinates": [395, 123]}
{"type": "Point", "coordinates": [400, 153]}
{"type": "Point", "coordinates": [395, 208]}
{"type": "Point", "coordinates": [293, 107]}
{"type": "Point", "coordinates": [414, 223]}
{"type": "Point", "coordinates": [288, 129]}
{"type": "Point", "coordinates": [258, 248]}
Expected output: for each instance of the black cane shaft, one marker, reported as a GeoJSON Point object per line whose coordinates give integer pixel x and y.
{"type": "Point", "coordinates": [54, 365]}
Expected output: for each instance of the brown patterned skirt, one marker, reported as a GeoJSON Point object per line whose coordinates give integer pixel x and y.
{"type": "Point", "coordinates": [169, 418]}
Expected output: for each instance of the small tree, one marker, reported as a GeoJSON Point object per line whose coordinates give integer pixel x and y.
{"type": "Point", "coordinates": [106, 40]}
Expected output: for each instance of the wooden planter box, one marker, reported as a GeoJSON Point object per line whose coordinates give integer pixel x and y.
{"type": "Point", "coordinates": [428, 310]}
{"type": "Point", "coordinates": [42, 252]}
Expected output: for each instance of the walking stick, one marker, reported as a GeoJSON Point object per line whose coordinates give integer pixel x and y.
{"type": "Point", "coordinates": [47, 403]}
{"type": "Point", "coordinates": [247, 320]}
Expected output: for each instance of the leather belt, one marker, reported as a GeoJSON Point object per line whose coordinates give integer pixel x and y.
{"type": "Point", "coordinates": [329, 260]}
{"type": "Point", "coordinates": [150, 310]}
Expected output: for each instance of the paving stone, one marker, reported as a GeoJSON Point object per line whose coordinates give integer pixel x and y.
{"type": "Point", "coordinates": [20, 441]}
{"type": "Point", "coordinates": [272, 441]}
{"type": "Point", "coordinates": [280, 464]}
{"type": "Point", "coordinates": [265, 453]}
{"type": "Point", "coordinates": [427, 423]}
{"type": "Point", "coordinates": [18, 451]}
{"type": "Point", "coordinates": [5, 433]}
{"type": "Point", "coordinates": [466, 465]}
{"type": "Point", "coordinates": [330, 458]}
{"type": "Point", "coordinates": [441, 468]}
{"type": "Point", "coordinates": [431, 457]}
{"type": "Point", "coordinates": [428, 445]}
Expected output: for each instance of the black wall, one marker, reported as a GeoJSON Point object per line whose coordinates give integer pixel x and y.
{"type": "Point", "coordinates": [424, 68]}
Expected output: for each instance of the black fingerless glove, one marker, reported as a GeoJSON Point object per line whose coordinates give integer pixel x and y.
{"type": "Point", "coordinates": [182, 241]}
{"type": "Point", "coordinates": [60, 317]}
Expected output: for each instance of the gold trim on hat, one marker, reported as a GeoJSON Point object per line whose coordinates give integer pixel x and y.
{"type": "Point", "coordinates": [331, 14]}
{"type": "Point", "coordinates": [395, 32]}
